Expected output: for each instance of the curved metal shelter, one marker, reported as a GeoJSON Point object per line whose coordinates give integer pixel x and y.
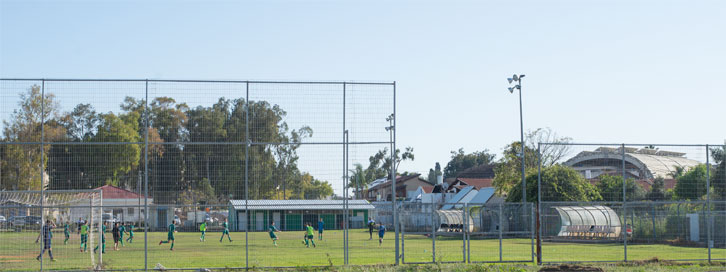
{"type": "Point", "coordinates": [588, 222]}
{"type": "Point", "coordinates": [453, 221]}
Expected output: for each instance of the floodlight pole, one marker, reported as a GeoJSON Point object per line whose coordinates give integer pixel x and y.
{"type": "Point", "coordinates": [518, 85]}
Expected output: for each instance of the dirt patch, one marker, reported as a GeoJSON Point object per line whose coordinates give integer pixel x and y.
{"type": "Point", "coordinates": [570, 268]}
{"type": "Point", "coordinates": [651, 261]}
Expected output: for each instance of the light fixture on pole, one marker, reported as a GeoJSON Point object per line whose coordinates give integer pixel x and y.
{"type": "Point", "coordinates": [517, 79]}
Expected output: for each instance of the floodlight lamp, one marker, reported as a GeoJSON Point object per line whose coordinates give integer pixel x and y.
{"type": "Point", "coordinates": [515, 77]}
{"type": "Point", "coordinates": [521, 76]}
{"type": "Point", "coordinates": [510, 80]}
{"type": "Point", "coordinates": [511, 89]}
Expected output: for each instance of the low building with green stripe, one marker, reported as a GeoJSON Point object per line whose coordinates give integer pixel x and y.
{"type": "Point", "coordinates": [293, 214]}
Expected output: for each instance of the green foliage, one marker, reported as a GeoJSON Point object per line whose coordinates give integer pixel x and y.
{"type": "Point", "coordinates": [718, 174]}
{"type": "Point", "coordinates": [433, 173]}
{"type": "Point", "coordinates": [611, 189]}
{"type": "Point", "coordinates": [657, 190]}
{"type": "Point", "coordinates": [461, 161]}
{"type": "Point", "coordinates": [379, 166]}
{"type": "Point", "coordinates": [692, 184]}
{"type": "Point", "coordinates": [560, 183]}
{"type": "Point", "coordinates": [509, 171]}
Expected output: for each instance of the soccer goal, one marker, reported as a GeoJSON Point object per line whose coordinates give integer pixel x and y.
{"type": "Point", "coordinates": [26, 213]}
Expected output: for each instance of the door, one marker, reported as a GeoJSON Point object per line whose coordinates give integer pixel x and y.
{"type": "Point", "coordinates": [276, 218]}
{"type": "Point", "coordinates": [260, 221]}
{"type": "Point", "coordinates": [161, 218]}
{"type": "Point", "coordinates": [241, 221]}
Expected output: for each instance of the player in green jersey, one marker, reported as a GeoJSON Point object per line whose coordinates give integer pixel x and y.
{"type": "Point", "coordinates": [309, 235]}
{"type": "Point", "coordinates": [84, 236]}
{"type": "Point", "coordinates": [170, 236]}
{"type": "Point", "coordinates": [103, 240]}
{"type": "Point", "coordinates": [67, 233]}
{"type": "Point", "coordinates": [225, 231]}
{"type": "Point", "coordinates": [203, 229]}
{"type": "Point", "coordinates": [273, 229]}
{"type": "Point", "coordinates": [131, 234]}
{"type": "Point", "coordinates": [121, 230]}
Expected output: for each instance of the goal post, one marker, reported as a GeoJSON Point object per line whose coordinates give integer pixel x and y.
{"type": "Point", "coordinates": [28, 211]}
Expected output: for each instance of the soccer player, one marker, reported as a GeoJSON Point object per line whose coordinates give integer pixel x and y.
{"type": "Point", "coordinates": [84, 236]}
{"type": "Point", "coordinates": [67, 233]}
{"type": "Point", "coordinates": [170, 236]}
{"type": "Point", "coordinates": [371, 226]}
{"type": "Point", "coordinates": [116, 235]}
{"type": "Point", "coordinates": [47, 237]}
{"type": "Point", "coordinates": [225, 231]}
{"type": "Point", "coordinates": [321, 226]}
{"type": "Point", "coordinates": [103, 240]}
{"type": "Point", "coordinates": [381, 232]}
{"type": "Point", "coordinates": [309, 235]}
{"type": "Point", "coordinates": [273, 229]}
{"type": "Point", "coordinates": [203, 229]}
{"type": "Point", "coordinates": [121, 230]}
{"type": "Point", "coordinates": [131, 234]}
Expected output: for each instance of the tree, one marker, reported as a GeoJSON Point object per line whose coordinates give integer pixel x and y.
{"type": "Point", "coordinates": [116, 160]}
{"type": "Point", "coordinates": [22, 162]}
{"type": "Point", "coordinates": [435, 172]}
{"type": "Point", "coordinates": [508, 172]}
{"type": "Point", "coordinates": [692, 184]}
{"type": "Point", "coordinates": [553, 152]}
{"type": "Point", "coordinates": [461, 161]}
{"type": "Point", "coordinates": [611, 189]}
{"type": "Point", "coordinates": [560, 183]}
{"type": "Point", "coordinates": [718, 175]}
{"type": "Point", "coordinates": [657, 190]}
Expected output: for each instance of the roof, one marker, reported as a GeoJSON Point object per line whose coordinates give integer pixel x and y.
{"type": "Point", "coordinates": [478, 183]}
{"type": "Point", "coordinates": [653, 163]}
{"type": "Point", "coordinates": [305, 204]}
{"type": "Point", "coordinates": [399, 179]}
{"type": "Point", "coordinates": [113, 192]}
{"type": "Point", "coordinates": [483, 196]}
{"type": "Point", "coordinates": [481, 171]}
{"type": "Point", "coordinates": [464, 196]}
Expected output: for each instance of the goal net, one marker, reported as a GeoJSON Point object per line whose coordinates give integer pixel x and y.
{"type": "Point", "coordinates": [26, 212]}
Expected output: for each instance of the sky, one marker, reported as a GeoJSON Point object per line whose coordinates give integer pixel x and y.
{"type": "Point", "coordinates": [596, 71]}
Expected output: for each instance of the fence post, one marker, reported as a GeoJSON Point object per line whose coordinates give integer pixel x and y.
{"type": "Point", "coordinates": [708, 204]}
{"type": "Point", "coordinates": [393, 174]}
{"type": "Point", "coordinates": [146, 175]}
{"type": "Point", "coordinates": [501, 226]}
{"type": "Point", "coordinates": [468, 235]}
{"type": "Point", "coordinates": [42, 164]}
{"type": "Point", "coordinates": [247, 170]}
{"type": "Point", "coordinates": [433, 233]}
{"type": "Point", "coordinates": [539, 204]}
{"type": "Point", "coordinates": [465, 227]}
{"type": "Point", "coordinates": [625, 234]}
{"type": "Point", "coordinates": [345, 185]}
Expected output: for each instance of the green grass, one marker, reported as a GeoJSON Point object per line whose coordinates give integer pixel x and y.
{"type": "Point", "coordinates": [18, 250]}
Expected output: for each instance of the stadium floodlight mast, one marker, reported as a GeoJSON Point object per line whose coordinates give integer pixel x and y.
{"type": "Point", "coordinates": [517, 79]}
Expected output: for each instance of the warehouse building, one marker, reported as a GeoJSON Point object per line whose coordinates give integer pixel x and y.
{"type": "Point", "coordinates": [292, 214]}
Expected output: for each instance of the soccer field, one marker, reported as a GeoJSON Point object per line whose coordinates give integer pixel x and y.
{"type": "Point", "coordinates": [18, 250]}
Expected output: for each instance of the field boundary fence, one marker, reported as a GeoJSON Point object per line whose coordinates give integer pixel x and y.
{"type": "Point", "coordinates": [629, 202]}
{"type": "Point", "coordinates": [193, 151]}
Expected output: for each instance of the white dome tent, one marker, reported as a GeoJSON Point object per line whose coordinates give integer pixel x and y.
{"type": "Point", "coordinates": [588, 222]}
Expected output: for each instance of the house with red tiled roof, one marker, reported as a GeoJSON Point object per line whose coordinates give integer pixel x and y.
{"type": "Point", "coordinates": [125, 205]}
{"type": "Point", "coordinates": [405, 186]}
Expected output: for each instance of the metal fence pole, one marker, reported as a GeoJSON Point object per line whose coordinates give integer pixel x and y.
{"type": "Point", "coordinates": [345, 182]}
{"type": "Point", "coordinates": [708, 204]}
{"type": "Point", "coordinates": [501, 222]}
{"type": "Point", "coordinates": [42, 164]}
{"type": "Point", "coordinates": [247, 170]}
{"type": "Point", "coordinates": [146, 176]}
{"type": "Point", "coordinates": [393, 174]}
{"type": "Point", "coordinates": [539, 204]}
{"type": "Point", "coordinates": [625, 240]}
{"type": "Point", "coordinates": [463, 234]}
{"type": "Point", "coordinates": [468, 235]}
{"type": "Point", "coordinates": [433, 233]}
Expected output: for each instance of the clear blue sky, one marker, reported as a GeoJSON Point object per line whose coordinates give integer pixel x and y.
{"type": "Point", "coordinates": [597, 71]}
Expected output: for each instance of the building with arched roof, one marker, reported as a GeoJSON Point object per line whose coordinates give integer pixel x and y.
{"type": "Point", "coordinates": [640, 164]}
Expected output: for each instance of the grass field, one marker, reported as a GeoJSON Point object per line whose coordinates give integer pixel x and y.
{"type": "Point", "coordinates": [18, 250]}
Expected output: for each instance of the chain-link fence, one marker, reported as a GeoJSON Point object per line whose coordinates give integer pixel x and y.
{"type": "Point", "coordinates": [612, 203]}
{"type": "Point", "coordinates": [183, 163]}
